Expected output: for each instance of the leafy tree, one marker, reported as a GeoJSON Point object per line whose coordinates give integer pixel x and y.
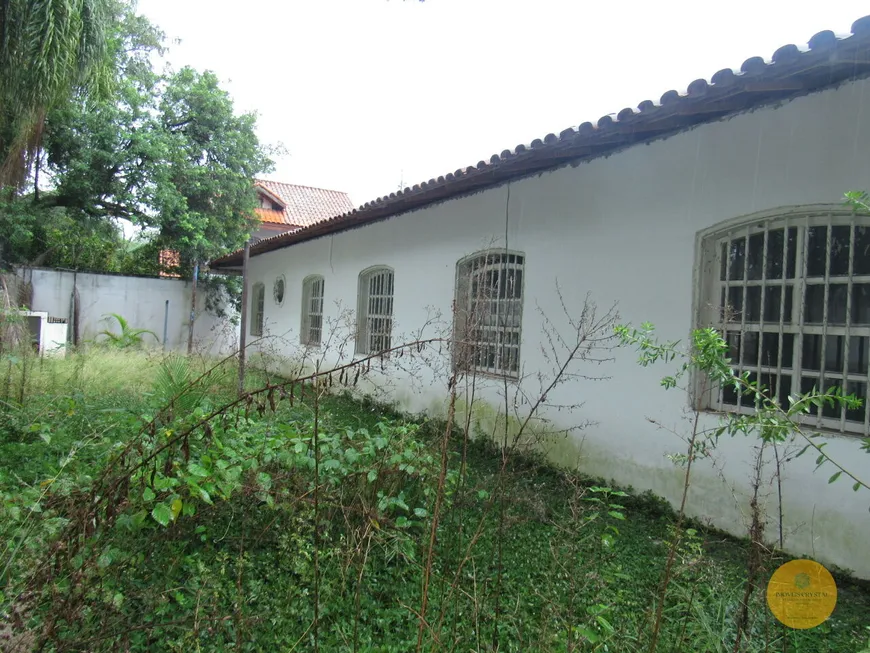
{"type": "Point", "coordinates": [166, 151]}
{"type": "Point", "coordinates": [35, 233]}
{"type": "Point", "coordinates": [208, 199]}
{"type": "Point", "coordinates": [48, 52]}
{"type": "Point", "coordinates": [20, 228]}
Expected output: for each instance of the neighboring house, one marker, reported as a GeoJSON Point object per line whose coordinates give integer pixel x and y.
{"type": "Point", "coordinates": [728, 193]}
{"type": "Point", "coordinates": [281, 208]}
{"type": "Point", "coordinates": [169, 260]}
{"type": "Point", "coordinates": [287, 207]}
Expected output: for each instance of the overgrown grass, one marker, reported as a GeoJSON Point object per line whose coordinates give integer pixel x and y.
{"type": "Point", "coordinates": [580, 560]}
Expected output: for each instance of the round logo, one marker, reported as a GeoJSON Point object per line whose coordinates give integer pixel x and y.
{"type": "Point", "coordinates": [802, 594]}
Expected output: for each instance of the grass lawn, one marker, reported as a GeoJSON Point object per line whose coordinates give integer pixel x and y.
{"type": "Point", "coordinates": [532, 559]}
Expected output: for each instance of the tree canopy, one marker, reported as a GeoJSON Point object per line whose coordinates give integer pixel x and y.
{"type": "Point", "coordinates": [166, 151]}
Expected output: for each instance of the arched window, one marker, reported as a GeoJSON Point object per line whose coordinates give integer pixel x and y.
{"type": "Point", "coordinates": [792, 297]}
{"type": "Point", "coordinates": [312, 310]}
{"type": "Point", "coordinates": [375, 310]}
{"type": "Point", "coordinates": [489, 312]}
{"type": "Point", "coordinates": [258, 306]}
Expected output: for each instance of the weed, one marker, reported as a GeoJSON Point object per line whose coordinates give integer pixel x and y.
{"type": "Point", "coordinates": [212, 543]}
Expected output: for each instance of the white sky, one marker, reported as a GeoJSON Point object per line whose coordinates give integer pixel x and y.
{"type": "Point", "coordinates": [366, 93]}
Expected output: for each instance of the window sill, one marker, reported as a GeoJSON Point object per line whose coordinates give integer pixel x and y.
{"type": "Point", "coordinates": [489, 376]}
{"type": "Point", "coordinates": [374, 358]}
{"type": "Point", "coordinates": [808, 429]}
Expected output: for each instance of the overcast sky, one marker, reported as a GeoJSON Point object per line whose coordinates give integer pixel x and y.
{"type": "Point", "coordinates": [366, 94]}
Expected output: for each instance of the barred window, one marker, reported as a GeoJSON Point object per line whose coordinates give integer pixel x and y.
{"type": "Point", "coordinates": [489, 311]}
{"type": "Point", "coordinates": [312, 310]}
{"type": "Point", "coordinates": [258, 305]}
{"type": "Point", "coordinates": [793, 298]}
{"type": "Point", "coordinates": [375, 310]}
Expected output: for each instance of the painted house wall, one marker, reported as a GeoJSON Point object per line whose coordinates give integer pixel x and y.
{"type": "Point", "coordinates": [139, 300]}
{"type": "Point", "coordinates": [624, 229]}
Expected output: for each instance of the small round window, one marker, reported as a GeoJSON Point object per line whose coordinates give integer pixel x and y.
{"type": "Point", "coordinates": [278, 290]}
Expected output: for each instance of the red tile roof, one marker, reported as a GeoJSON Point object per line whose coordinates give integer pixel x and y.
{"type": "Point", "coordinates": [169, 260]}
{"type": "Point", "coordinates": [825, 61]}
{"type": "Point", "coordinates": [303, 205]}
{"type": "Point", "coordinates": [271, 216]}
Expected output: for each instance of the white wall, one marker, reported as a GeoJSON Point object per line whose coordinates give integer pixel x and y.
{"type": "Point", "coordinates": [51, 336]}
{"type": "Point", "coordinates": [54, 337]}
{"type": "Point", "coordinates": [624, 229]}
{"type": "Point", "coordinates": [139, 300]}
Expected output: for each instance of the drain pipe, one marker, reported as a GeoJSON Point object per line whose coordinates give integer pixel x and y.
{"type": "Point", "coordinates": [165, 324]}
{"type": "Point", "coordinates": [244, 318]}
{"type": "Point", "coordinates": [75, 309]}
{"type": "Point", "coordinates": [192, 309]}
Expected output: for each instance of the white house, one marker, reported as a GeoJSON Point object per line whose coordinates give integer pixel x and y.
{"type": "Point", "coordinates": [730, 192]}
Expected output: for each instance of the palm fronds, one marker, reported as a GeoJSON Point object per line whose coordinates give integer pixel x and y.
{"type": "Point", "coordinates": [128, 337]}
{"type": "Point", "coordinates": [48, 50]}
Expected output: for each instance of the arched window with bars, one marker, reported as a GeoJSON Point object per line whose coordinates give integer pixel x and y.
{"type": "Point", "coordinates": [258, 308]}
{"type": "Point", "coordinates": [791, 295]}
{"type": "Point", "coordinates": [311, 330]}
{"type": "Point", "coordinates": [489, 313]}
{"type": "Point", "coordinates": [375, 310]}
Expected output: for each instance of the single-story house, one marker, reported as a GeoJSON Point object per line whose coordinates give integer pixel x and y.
{"type": "Point", "coordinates": [729, 195]}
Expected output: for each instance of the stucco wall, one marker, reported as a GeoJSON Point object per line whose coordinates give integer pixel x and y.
{"type": "Point", "coordinates": [139, 300]}
{"type": "Point", "coordinates": [624, 229]}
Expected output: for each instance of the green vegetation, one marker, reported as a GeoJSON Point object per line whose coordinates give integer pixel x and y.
{"type": "Point", "coordinates": [127, 337]}
{"type": "Point", "coordinates": [702, 364]}
{"type": "Point", "coordinates": [163, 149]}
{"type": "Point", "coordinates": [49, 52]}
{"type": "Point", "coordinates": [146, 505]}
{"type": "Point", "coordinates": [140, 510]}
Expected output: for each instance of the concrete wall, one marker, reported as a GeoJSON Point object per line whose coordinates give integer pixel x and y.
{"type": "Point", "coordinates": [139, 300]}
{"type": "Point", "coordinates": [623, 229]}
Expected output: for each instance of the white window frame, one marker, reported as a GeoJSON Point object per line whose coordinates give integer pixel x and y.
{"type": "Point", "coordinates": [311, 329]}
{"type": "Point", "coordinates": [375, 310]}
{"type": "Point", "coordinates": [258, 308]}
{"type": "Point", "coordinates": [487, 328]}
{"type": "Point", "coordinates": [788, 335]}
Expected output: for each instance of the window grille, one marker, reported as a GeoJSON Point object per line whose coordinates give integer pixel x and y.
{"type": "Point", "coordinates": [258, 301]}
{"type": "Point", "coordinates": [489, 309]}
{"type": "Point", "coordinates": [793, 298]}
{"type": "Point", "coordinates": [375, 311]}
{"type": "Point", "coordinates": [312, 310]}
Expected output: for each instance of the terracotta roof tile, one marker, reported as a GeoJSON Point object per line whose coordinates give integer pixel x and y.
{"type": "Point", "coordinates": [303, 205]}
{"type": "Point", "coordinates": [825, 61]}
{"type": "Point", "coordinates": [271, 216]}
